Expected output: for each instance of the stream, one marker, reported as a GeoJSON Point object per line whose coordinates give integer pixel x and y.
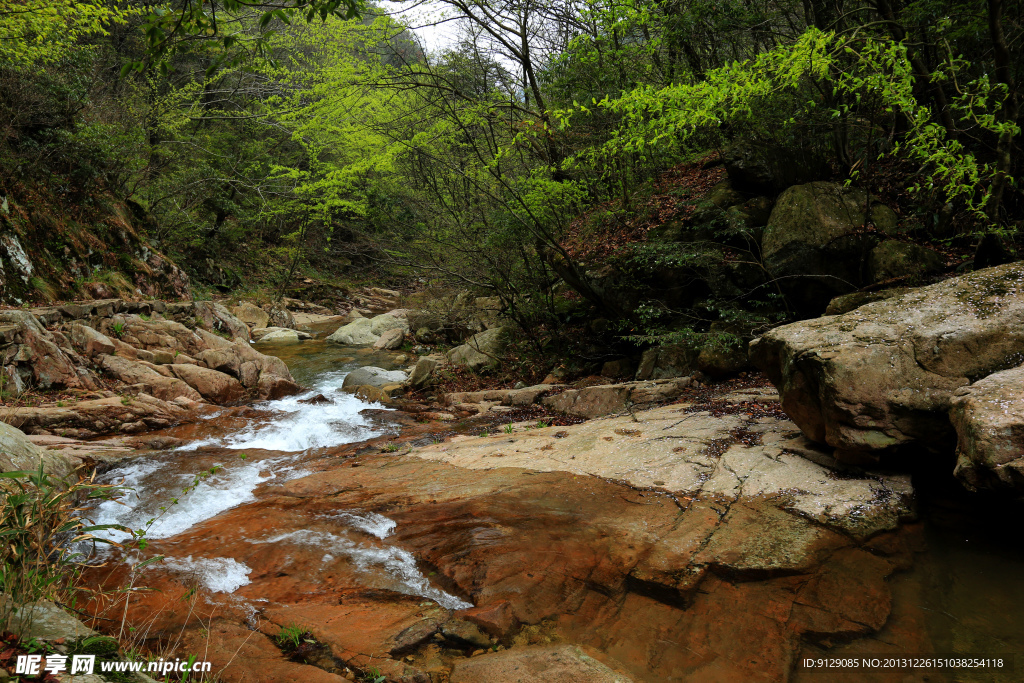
{"type": "Point", "coordinates": [961, 595]}
{"type": "Point", "coordinates": [296, 432]}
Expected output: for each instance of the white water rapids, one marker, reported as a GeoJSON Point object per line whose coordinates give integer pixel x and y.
{"type": "Point", "coordinates": [287, 425]}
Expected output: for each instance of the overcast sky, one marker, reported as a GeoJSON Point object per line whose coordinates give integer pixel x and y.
{"type": "Point", "coordinates": [424, 17]}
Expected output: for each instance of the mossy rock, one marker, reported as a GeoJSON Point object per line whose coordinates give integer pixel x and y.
{"type": "Point", "coordinates": [817, 242]}
{"type": "Point", "coordinates": [895, 259]}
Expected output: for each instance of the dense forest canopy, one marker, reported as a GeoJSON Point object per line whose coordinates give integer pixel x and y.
{"type": "Point", "coordinates": [318, 132]}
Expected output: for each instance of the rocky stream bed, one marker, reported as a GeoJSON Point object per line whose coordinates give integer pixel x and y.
{"type": "Point", "coordinates": [651, 530]}
{"type": "Point", "coordinates": [702, 540]}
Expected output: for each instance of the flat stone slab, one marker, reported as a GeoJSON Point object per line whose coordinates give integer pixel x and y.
{"type": "Point", "coordinates": [674, 448]}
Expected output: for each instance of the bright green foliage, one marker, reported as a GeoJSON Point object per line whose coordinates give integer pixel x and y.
{"type": "Point", "coordinates": [241, 28]}
{"type": "Point", "coordinates": [44, 31]}
{"type": "Point", "coordinates": [856, 70]}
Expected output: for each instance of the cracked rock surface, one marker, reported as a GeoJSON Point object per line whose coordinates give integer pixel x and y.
{"type": "Point", "coordinates": [685, 543]}
{"type": "Point", "coordinates": [883, 376]}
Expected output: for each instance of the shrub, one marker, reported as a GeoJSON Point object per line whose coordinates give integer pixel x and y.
{"type": "Point", "coordinates": [43, 533]}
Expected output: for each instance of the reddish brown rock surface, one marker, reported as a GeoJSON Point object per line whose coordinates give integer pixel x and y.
{"type": "Point", "coordinates": [544, 557]}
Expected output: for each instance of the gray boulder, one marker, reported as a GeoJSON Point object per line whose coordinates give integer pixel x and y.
{"type": "Point", "coordinates": [884, 375]}
{"type": "Point", "coordinates": [989, 420]}
{"type": "Point", "coordinates": [482, 351]}
{"type": "Point", "coordinates": [18, 454]}
{"type": "Point", "coordinates": [356, 333]}
{"type": "Point", "coordinates": [372, 377]}
{"type": "Point", "coordinates": [667, 361]}
{"type": "Point", "coordinates": [282, 336]}
{"type": "Point", "coordinates": [392, 320]}
{"type": "Point", "coordinates": [815, 241]}
{"type": "Point", "coordinates": [893, 259]}
{"type": "Point", "coordinates": [45, 622]}
{"type": "Point", "coordinates": [422, 375]}
{"type": "Point", "coordinates": [259, 332]}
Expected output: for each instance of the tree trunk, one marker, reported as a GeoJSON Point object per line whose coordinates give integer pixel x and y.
{"type": "Point", "coordinates": [1004, 76]}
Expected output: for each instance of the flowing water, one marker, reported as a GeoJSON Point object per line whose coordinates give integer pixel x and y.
{"type": "Point", "coordinates": [268, 442]}
{"type": "Point", "coordinates": [965, 579]}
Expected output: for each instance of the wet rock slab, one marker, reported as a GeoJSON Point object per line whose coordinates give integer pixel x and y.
{"type": "Point", "coordinates": [680, 546]}
{"type": "Point", "coordinates": [690, 451]}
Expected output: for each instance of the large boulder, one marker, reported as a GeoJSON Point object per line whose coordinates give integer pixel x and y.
{"type": "Point", "coordinates": [989, 420]}
{"type": "Point", "coordinates": [280, 316]}
{"type": "Point", "coordinates": [89, 341]}
{"type": "Point", "coordinates": [44, 622]}
{"type": "Point", "coordinates": [392, 320]}
{"type": "Point", "coordinates": [134, 331]}
{"type": "Point", "coordinates": [425, 325]}
{"type": "Point", "coordinates": [270, 387]}
{"type": "Point", "coordinates": [267, 375]}
{"type": "Point", "coordinates": [283, 336]}
{"type": "Point", "coordinates": [217, 318]}
{"type": "Point", "coordinates": [422, 375]}
{"type": "Point", "coordinates": [372, 377]}
{"type": "Point", "coordinates": [848, 302]}
{"type": "Point", "coordinates": [102, 416]}
{"type": "Point", "coordinates": [713, 206]}
{"type": "Point", "coordinates": [18, 454]}
{"type": "Point", "coordinates": [884, 375]}
{"type": "Point", "coordinates": [604, 399]}
{"type": "Point", "coordinates": [260, 332]}
{"type": "Point", "coordinates": [895, 259]}
{"type": "Point", "coordinates": [481, 351]}
{"type": "Point", "coordinates": [222, 360]}
{"type": "Point", "coordinates": [134, 373]}
{"type": "Point", "coordinates": [722, 359]}
{"type": "Point", "coordinates": [251, 315]}
{"type": "Point", "coordinates": [667, 361]}
{"type": "Point", "coordinates": [356, 333]}
{"type": "Point", "coordinates": [211, 385]}
{"type": "Point", "coordinates": [816, 242]}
